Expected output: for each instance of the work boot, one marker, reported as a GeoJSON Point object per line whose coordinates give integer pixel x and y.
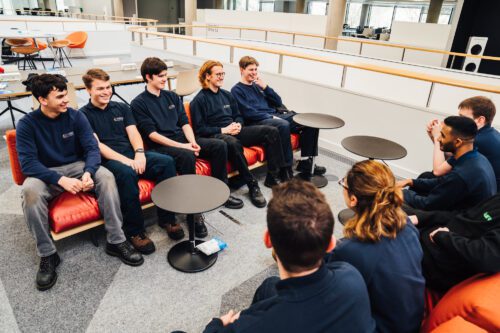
{"type": "Point", "coordinates": [125, 252]}
{"type": "Point", "coordinates": [304, 166]}
{"type": "Point", "coordinates": [233, 203]}
{"type": "Point", "coordinates": [174, 230]}
{"type": "Point", "coordinates": [142, 243]}
{"type": "Point", "coordinates": [256, 195]}
{"type": "Point", "coordinates": [200, 229]}
{"type": "Point", "coordinates": [271, 180]}
{"type": "Point", "coordinates": [286, 174]}
{"type": "Point", "coordinates": [47, 276]}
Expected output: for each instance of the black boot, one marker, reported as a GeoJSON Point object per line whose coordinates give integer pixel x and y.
{"type": "Point", "coordinates": [125, 252]}
{"type": "Point", "coordinates": [286, 174]}
{"type": "Point", "coordinates": [47, 276]}
{"type": "Point", "coordinates": [200, 229]}
{"type": "Point", "coordinates": [256, 195]}
{"type": "Point", "coordinates": [304, 166]}
{"type": "Point", "coordinates": [233, 203]}
{"type": "Point", "coordinates": [271, 180]}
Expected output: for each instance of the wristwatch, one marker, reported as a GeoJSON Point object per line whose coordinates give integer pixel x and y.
{"type": "Point", "coordinates": [139, 150]}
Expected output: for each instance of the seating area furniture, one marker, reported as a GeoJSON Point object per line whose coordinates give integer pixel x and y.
{"type": "Point", "coordinates": [187, 83]}
{"type": "Point", "coordinates": [29, 53]}
{"type": "Point", "coordinates": [71, 214]}
{"type": "Point", "coordinates": [471, 306]}
{"type": "Point", "coordinates": [59, 53]}
{"type": "Point", "coordinates": [77, 40]}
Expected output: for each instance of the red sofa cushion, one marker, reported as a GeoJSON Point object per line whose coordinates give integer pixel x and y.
{"type": "Point", "coordinates": [458, 325]}
{"type": "Point", "coordinates": [295, 141]}
{"type": "Point", "coordinates": [203, 166]}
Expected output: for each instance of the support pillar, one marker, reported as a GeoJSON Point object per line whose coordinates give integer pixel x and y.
{"type": "Point", "coordinates": [300, 6]}
{"type": "Point", "coordinates": [434, 11]}
{"type": "Point", "coordinates": [364, 15]}
{"type": "Point", "coordinates": [190, 15]}
{"type": "Point", "coordinates": [334, 22]}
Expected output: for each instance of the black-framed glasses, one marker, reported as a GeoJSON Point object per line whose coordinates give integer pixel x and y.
{"type": "Point", "coordinates": [342, 182]}
{"type": "Point", "coordinates": [220, 75]}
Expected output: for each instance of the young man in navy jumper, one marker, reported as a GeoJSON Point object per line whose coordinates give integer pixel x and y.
{"type": "Point", "coordinates": [122, 151]}
{"type": "Point", "coordinates": [470, 181]}
{"type": "Point", "coordinates": [58, 152]}
{"type": "Point", "coordinates": [310, 295]}
{"type": "Point", "coordinates": [163, 122]}
{"type": "Point", "coordinates": [258, 104]}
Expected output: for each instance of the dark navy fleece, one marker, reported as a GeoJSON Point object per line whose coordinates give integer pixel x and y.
{"type": "Point", "coordinates": [255, 103]}
{"type": "Point", "coordinates": [487, 143]}
{"type": "Point", "coordinates": [43, 142]}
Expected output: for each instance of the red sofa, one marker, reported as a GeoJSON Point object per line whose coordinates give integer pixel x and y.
{"type": "Point", "coordinates": [70, 214]}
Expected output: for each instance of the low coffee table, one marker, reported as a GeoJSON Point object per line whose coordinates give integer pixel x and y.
{"type": "Point", "coordinates": [372, 148]}
{"type": "Point", "coordinates": [190, 194]}
{"type": "Point", "coordinates": [319, 121]}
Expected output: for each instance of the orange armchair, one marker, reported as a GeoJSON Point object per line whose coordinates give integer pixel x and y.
{"type": "Point", "coordinates": [77, 40]}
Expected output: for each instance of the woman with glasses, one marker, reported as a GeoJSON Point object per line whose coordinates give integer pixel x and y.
{"type": "Point", "coordinates": [382, 243]}
{"type": "Point", "coordinates": [215, 114]}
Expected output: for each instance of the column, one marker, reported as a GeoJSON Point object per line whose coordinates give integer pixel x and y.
{"type": "Point", "coordinates": [190, 14]}
{"type": "Point", "coordinates": [334, 22]}
{"type": "Point", "coordinates": [219, 4]}
{"type": "Point", "coordinates": [434, 11]}
{"type": "Point", "coordinates": [364, 15]}
{"type": "Point", "coordinates": [300, 6]}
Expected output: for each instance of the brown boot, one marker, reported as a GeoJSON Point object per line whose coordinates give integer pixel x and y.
{"type": "Point", "coordinates": [174, 231]}
{"type": "Point", "coordinates": [143, 243]}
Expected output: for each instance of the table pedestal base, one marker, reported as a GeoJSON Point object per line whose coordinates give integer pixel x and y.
{"type": "Point", "coordinates": [345, 215]}
{"type": "Point", "coordinates": [318, 181]}
{"type": "Point", "coordinates": [183, 259]}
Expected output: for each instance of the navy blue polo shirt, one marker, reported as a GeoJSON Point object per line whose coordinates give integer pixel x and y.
{"type": "Point", "coordinates": [163, 114]}
{"type": "Point", "coordinates": [487, 143]}
{"type": "Point", "coordinates": [110, 124]}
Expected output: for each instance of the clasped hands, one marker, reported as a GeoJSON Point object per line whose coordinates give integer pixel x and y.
{"type": "Point", "coordinates": [434, 129]}
{"type": "Point", "coordinates": [75, 185]}
{"type": "Point", "coordinates": [231, 129]}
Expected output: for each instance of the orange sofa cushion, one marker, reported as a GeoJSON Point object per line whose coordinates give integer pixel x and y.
{"type": "Point", "coordinates": [15, 167]}
{"type": "Point", "coordinates": [458, 325]}
{"type": "Point", "coordinates": [477, 300]}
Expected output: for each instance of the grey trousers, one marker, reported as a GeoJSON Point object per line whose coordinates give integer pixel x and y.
{"type": "Point", "coordinates": [36, 195]}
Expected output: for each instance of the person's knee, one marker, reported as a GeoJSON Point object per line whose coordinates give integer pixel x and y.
{"type": "Point", "coordinates": [32, 191]}
{"type": "Point", "coordinates": [105, 177]}
{"type": "Point", "coordinates": [167, 164]}
{"type": "Point", "coordinates": [187, 158]}
{"type": "Point", "coordinates": [272, 133]}
{"type": "Point", "coordinates": [233, 144]}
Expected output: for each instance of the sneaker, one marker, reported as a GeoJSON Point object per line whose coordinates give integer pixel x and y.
{"type": "Point", "coordinates": [304, 166]}
{"type": "Point", "coordinates": [125, 252]}
{"type": "Point", "coordinates": [174, 231]}
{"type": "Point", "coordinates": [47, 276]}
{"type": "Point", "coordinates": [233, 203]}
{"type": "Point", "coordinates": [256, 195]}
{"type": "Point", "coordinates": [271, 180]}
{"type": "Point", "coordinates": [142, 243]}
{"type": "Point", "coordinates": [200, 229]}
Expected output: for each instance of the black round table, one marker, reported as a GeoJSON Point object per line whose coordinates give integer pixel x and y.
{"type": "Point", "coordinates": [373, 147]}
{"type": "Point", "coordinates": [319, 121]}
{"type": "Point", "coordinates": [190, 194]}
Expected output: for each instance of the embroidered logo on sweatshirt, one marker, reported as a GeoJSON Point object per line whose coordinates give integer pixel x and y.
{"type": "Point", "coordinates": [118, 118]}
{"type": "Point", "coordinates": [68, 135]}
{"type": "Point", "coordinates": [171, 106]}
{"type": "Point", "coordinates": [227, 106]}
{"type": "Point", "coordinates": [487, 216]}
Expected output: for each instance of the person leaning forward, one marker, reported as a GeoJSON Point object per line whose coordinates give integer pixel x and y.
{"type": "Point", "coordinates": [122, 151]}
{"type": "Point", "coordinates": [58, 153]}
{"type": "Point", "coordinates": [163, 122]}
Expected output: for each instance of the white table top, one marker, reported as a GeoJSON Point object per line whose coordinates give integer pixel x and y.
{"type": "Point", "coordinates": [9, 33]}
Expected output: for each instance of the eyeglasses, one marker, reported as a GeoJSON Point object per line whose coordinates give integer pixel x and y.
{"type": "Point", "coordinates": [342, 182]}
{"type": "Point", "coordinates": [220, 75]}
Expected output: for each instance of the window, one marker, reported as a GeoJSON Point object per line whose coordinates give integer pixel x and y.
{"type": "Point", "coordinates": [353, 15]}
{"type": "Point", "coordinates": [381, 16]}
{"type": "Point", "coordinates": [407, 14]}
{"type": "Point", "coordinates": [253, 5]}
{"type": "Point", "coordinates": [240, 5]}
{"type": "Point", "coordinates": [316, 8]}
{"type": "Point", "coordinates": [444, 17]}
{"type": "Point", "coordinates": [267, 6]}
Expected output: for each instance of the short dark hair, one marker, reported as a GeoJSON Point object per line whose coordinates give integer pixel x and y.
{"type": "Point", "coordinates": [300, 224]}
{"type": "Point", "coordinates": [94, 74]}
{"type": "Point", "coordinates": [247, 61]}
{"type": "Point", "coordinates": [462, 127]}
{"type": "Point", "coordinates": [480, 106]}
{"type": "Point", "coordinates": [152, 66]}
{"type": "Point", "coordinates": [43, 84]}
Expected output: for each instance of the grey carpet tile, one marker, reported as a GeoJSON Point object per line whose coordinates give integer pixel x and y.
{"type": "Point", "coordinates": [240, 297]}
{"type": "Point", "coordinates": [84, 276]}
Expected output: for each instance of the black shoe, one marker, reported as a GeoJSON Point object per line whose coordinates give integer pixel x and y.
{"type": "Point", "coordinates": [304, 166]}
{"type": "Point", "coordinates": [47, 276]}
{"type": "Point", "coordinates": [271, 180]}
{"type": "Point", "coordinates": [125, 252]}
{"type": "Point", "coordinates": [256, 195]}
{"type": "Point", "coordinates": [200, 229]}
{"type": "Point", "coordinates": [286, 174]}
{"type": "Point", "coordinates": [174, 231]}
{"type": "Point", "coordinates": [233, 203]}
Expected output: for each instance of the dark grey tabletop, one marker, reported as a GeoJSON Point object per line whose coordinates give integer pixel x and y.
{"type": "Point", "coordinates": [190, 194]}
{"type": "Point", "coordinates": [374, 147]}
{"type": "Point", "coordinates": [318, 120]}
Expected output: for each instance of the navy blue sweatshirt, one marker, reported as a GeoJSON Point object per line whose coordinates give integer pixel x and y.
{"type": "Point", "coordinates": [392, 272]}
{"type": "Point", "coordinates": [163, 114]}
{"type": "Point", "coordinates": [487, 143]}
{"type": "Point", "coordinates": [211, 111]}
{"type": "Point", "coordinates": [332, 299]}
{"type": "Point", "coordinates": [43, 142]}
{"type": "Point", "coordinates": [255, 103]}
{"type": "Point", "coordinates": [470, 181]}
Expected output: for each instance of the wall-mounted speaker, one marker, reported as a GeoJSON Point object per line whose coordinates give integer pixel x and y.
{"type": "Point", "coordinates": [475, 46]}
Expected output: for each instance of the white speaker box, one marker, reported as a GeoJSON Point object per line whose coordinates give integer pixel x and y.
{"type": "Point", "coordinates": [475, 46]}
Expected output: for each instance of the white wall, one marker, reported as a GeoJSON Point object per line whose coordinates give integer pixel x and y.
{"type": "Point", "coordinates": [315, 24]}
{"type": "Point", "coordinates": [430, 35]}
{"type": "Point", "coordinates": [100, 7]}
